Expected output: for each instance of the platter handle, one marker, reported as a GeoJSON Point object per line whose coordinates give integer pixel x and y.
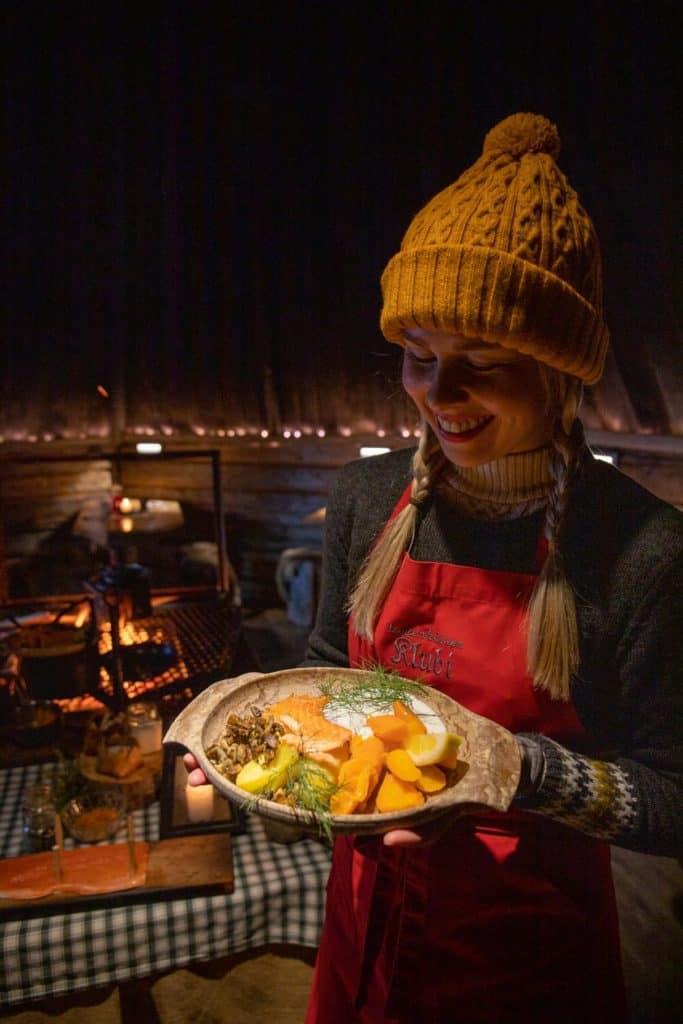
{"type": "Point", "coordinates": [186, 728]}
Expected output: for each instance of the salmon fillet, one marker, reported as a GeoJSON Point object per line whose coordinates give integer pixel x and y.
{"type": "Point", "coordinates": [303, 704]}
{"type": "Point", "coordinates": [307, 726]}
{"type": "Point", "coordinates": [88, 869]}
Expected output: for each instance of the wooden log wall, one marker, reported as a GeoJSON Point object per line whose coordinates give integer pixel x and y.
{"type": "Point", "coordinates": [270, 489]}
{"type": "Point", "coordinates": [54, 517]}
{"type": "Point", "coordinates": [269, 492]}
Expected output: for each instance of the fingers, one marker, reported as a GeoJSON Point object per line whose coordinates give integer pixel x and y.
{"type": "Point", "coordinates": [402, 837]}
{"type": "Point", "coordinates": [196, 776]}
{"type": "Point", "coordinates": [430, 833]}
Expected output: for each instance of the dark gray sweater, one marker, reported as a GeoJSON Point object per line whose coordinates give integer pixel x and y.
{"type": "Point", "coordinates": [624, 556]}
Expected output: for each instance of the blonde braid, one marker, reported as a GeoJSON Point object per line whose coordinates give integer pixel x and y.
{"type": "Point", "coordinates": [383, 560]}
{"type": "Point", "coordinates": [553, 649]}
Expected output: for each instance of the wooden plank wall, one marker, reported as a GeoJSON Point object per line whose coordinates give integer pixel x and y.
{"type": "Point", "coordinates": [269, 490]}
{"type": "Point", "coordinates": [53, 517]}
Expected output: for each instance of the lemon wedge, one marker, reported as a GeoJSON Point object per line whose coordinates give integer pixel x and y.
{"type": "Point", "coordinates": [434, 748]}
{"type": "Point", "coordinates": [255, 778]}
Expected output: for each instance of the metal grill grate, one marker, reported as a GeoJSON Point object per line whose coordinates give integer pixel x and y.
{"type": "Point", "coordinates": [203, 636]}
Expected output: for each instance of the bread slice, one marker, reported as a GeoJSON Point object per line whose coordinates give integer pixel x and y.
{"type": "Point", "coordinates": [120, 761]}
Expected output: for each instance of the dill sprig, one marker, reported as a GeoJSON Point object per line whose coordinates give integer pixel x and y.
{"type": "Point", "coordinates": [378, 691]}
{"type": "Point", "coordinates": [312, 788]}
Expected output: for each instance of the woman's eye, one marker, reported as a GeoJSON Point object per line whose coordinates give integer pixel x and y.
{"type": "Point", "coordinates": [485, 367]}
{"type": "Point", "coordinates": [420, 357]}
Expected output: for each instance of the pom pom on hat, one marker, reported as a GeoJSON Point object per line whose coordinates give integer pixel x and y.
{"type": "Point", "coordinates": [523, 133]}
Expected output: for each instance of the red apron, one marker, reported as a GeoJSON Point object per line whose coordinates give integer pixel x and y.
{"type": "Point", "coordinates": [506, 918]}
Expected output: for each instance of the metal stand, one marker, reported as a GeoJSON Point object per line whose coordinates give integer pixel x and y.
{"type": "Point", "coordinates": [112, 599]}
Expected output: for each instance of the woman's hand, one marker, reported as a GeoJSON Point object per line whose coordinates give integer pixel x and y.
{"type": "Point", "coordinates": [404, 837]}
{"type": "Point", "coordinates": [425, 835]}
{"type": "Point", "coordinates": [196, 776]}
{"type": "Point", "coordinates": [532, 769]}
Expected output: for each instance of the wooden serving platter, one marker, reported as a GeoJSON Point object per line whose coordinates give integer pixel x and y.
{"type": "Point", "coordinates": [488, 762]}
{"type": "Point", "coordinates": [177, 867]}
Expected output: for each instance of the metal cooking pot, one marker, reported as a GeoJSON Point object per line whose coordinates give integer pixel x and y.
{"type": "Point", "coordinates": [56, 661]}
{"type": "Point", "coordinates": [35, 724]}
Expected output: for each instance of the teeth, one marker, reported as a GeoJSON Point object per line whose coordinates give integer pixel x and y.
{"type": "Point", "coordinates": [460, 426]}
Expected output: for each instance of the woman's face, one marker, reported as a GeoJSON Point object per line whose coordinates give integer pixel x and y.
{"type": "Point", "coordinates": [482, 401]}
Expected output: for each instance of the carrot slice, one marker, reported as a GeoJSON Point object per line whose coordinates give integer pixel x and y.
{"type": "Point", "coordinates": [343, 802]}
{"type": "Point", "coordinates": [415, 724]}
{"type": "Point", "coordinates": [371, 748]}
{"type": "Point", "coordinates": [400, 763]}
{"type": "Point", "coordinates": [358, 777]}
{"type": "Point", "coordinates": [431, 780]}
{"type": "Point", "coordinates": [391, 729]}
{"type": "Point", "coordinates": [396, 795]}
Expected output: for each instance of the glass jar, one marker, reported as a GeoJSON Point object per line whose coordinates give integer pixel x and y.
{"type": "Point", "coordinates": [38, 817]}
{"type": "Point", "coordinates": [145, 726]}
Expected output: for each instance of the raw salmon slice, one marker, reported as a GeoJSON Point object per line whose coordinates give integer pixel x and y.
{"type": "Point", "coordinates": [88, 869]}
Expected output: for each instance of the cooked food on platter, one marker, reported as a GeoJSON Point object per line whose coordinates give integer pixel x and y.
{"type": "Point", "coordinates": [346, 750]}
{"type": "Point", "coordinates": [111, 755]}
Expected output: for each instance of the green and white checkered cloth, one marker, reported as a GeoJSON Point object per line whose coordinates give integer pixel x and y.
{"type": "Point", "coordinates": [278, 898]}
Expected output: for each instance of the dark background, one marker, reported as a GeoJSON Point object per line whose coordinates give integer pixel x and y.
{"type": "Point", "coordinates": [200, 198]}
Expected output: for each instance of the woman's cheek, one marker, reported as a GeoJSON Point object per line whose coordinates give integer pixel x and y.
{"type": "Point", "coordinates": [411, 380]}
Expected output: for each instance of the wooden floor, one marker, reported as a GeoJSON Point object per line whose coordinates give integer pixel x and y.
{"type": "Point", "coordinates": [273, 985]}
{"type": "Point", "coordinates": [650, 901]}
{"type": "Point", "coordinates": [269, 987]}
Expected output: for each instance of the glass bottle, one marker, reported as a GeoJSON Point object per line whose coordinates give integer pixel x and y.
{"type": "Point", "coordinates": [38, 817]}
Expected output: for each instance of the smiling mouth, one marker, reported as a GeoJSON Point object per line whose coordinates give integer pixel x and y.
{"type": "Point", "coordinates": [461, 430]}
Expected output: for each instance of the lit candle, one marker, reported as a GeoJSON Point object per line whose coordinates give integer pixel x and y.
{"type": "Point", "coordinates": [199, 801]}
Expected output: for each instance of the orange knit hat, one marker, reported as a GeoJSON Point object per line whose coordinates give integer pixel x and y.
{"type": "Point", "coordinates": [508, 254]}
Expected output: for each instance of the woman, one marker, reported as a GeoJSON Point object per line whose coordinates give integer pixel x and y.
{"type": "Point", "coordinates": [504, 565]}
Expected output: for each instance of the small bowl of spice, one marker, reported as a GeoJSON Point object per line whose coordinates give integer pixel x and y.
{"type": "Point", "coordinates": [95, 815]}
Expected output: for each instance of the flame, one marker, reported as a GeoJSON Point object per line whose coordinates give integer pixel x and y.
{"type": "Point", "coordinates": [135, 632]}
{"type": "Point", "coordinates": [76, 617]}
{"type": "Point", "coordinates": [82, 616]}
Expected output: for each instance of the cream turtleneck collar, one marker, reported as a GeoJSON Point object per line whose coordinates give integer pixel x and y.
{"type": "Point", "coordinates": [515, 485]}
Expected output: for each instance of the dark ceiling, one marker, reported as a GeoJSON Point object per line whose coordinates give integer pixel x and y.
{"type": "Point", "coordinates": [200, 198]}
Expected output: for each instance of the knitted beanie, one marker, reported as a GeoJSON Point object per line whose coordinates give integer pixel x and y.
{"type": "Point", "coordinates": [507, 254]}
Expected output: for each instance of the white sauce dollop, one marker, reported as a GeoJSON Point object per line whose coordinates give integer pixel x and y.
{"type": "Point", "coordinates": [356, 721]}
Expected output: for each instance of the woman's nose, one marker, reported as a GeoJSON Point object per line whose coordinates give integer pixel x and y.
{"type": "Point", "coordinates": [448, 384]}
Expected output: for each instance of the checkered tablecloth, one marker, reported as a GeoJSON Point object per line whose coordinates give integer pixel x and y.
{"type": "Point", "coordinates": [278, 898]}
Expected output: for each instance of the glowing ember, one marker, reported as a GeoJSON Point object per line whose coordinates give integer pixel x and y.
{"type": "Point", "coordinates": [203, 637]}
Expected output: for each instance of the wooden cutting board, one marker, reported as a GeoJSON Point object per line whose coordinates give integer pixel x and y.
{"type": "Point", "coordinates": [177, 867]}
{"type": "Point", "coordinates": [191, 862]}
